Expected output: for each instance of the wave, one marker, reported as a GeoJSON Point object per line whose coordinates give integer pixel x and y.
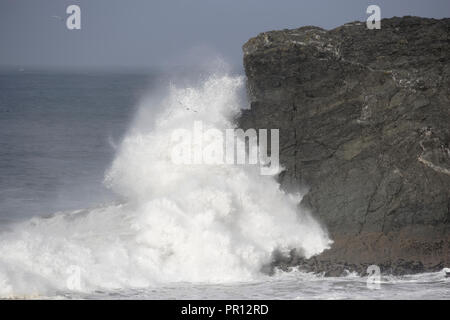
{"type": "Point", "coordinates": [175, 223]}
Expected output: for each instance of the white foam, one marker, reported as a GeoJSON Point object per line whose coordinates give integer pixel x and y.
{"type": "Point", "coordinates": [197, 223]}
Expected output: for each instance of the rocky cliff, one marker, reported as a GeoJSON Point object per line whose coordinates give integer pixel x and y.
{"type": "Point", "coordinates": [364, 119]}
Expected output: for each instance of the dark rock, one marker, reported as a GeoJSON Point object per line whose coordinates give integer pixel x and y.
{"type": "Point", "coordinates": [364, 119]}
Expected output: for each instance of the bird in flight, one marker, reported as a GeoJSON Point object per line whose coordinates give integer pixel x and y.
{"type": "Point", "coordinates": [57, 17]}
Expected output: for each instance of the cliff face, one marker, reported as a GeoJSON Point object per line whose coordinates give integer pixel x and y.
{"type": "Point", "coordinates": [364, 119]}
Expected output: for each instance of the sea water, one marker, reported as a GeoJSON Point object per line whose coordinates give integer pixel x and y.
{"type": "Point", "coordinates": [91, 205]}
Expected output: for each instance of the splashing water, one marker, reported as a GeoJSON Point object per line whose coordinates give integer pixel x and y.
{"type": "Point", "coordinates": [176, 223]}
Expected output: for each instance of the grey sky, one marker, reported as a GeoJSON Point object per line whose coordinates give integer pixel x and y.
{"type": "Point", "coordinates": [147, 33]}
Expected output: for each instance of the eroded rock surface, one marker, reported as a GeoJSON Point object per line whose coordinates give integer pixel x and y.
{"type": "Point", "coordinates": [364, 119]}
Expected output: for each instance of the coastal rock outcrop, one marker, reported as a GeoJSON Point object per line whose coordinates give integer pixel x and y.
{"type": "Point", "coordinates": [364, 119]}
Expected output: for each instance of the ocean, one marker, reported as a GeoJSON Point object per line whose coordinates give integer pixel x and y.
{"type": "Point", "coordinates": [92, 207]}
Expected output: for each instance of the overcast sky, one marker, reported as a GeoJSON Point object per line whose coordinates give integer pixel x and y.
{"type": "Point", "coordinates": [149, 33]}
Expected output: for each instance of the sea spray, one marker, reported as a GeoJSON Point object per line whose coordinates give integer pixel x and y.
{"type": "Point", "coordinates": [189, 223]}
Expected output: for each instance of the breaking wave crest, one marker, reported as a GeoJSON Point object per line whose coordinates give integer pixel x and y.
{"type": "Point", "coordinates": [189, 223]}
